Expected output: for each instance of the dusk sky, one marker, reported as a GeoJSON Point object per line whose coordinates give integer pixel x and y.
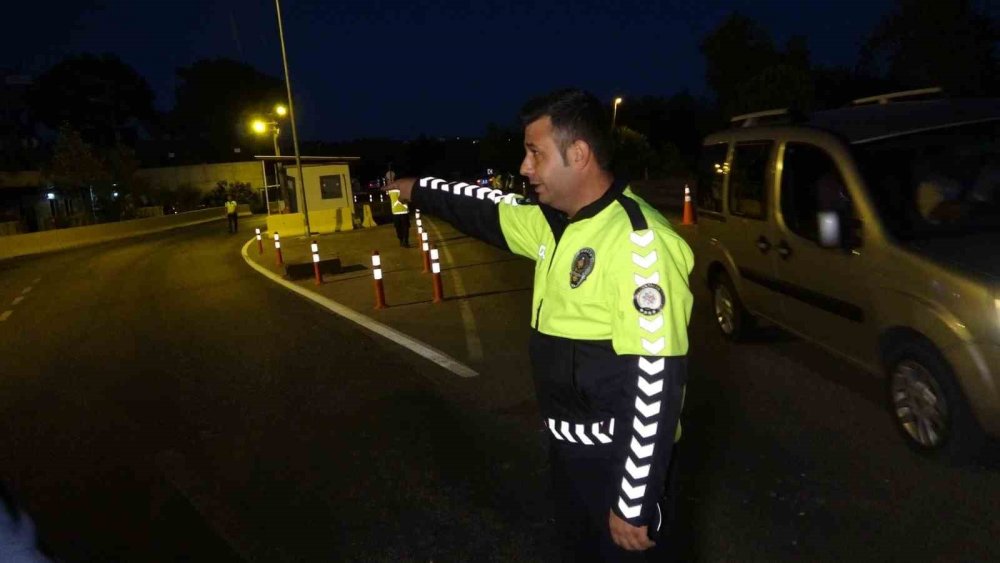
{"type": "Point", "coordinates": [370, 68]}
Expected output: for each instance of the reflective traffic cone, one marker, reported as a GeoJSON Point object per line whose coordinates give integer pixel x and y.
{"type": "Point", "coordinates": [688, 218]}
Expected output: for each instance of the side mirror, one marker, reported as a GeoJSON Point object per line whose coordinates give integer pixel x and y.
{"type": "Point", "coordinates": [828, 228]}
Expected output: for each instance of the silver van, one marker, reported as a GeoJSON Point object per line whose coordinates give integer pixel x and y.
{"type": "Point", "coordinates": [873, 231]}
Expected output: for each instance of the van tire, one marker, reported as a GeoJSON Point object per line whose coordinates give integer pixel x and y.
{"type": "Point", "coordinates": [731, 317]}
{"type": "Point", "coordinates": [925, 402]}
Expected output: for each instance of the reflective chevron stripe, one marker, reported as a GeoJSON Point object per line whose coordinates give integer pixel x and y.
{"type": "Point", "coordinates": [469, 190]}
{"type": "Point", "coordinates": [585, 434]}
{"type": "Point", "coordinates": [649, 382]}
{"type": "Point", "coordinates": [631, 492]}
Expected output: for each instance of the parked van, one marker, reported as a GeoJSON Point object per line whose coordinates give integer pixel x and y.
{"type": "Point", "coordinates": [873, 231]}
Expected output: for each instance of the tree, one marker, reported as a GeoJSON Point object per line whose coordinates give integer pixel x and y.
{"type": "Point", "coordinates": [101, 97]}
{"type": "Point", "coordinates": [924, 43]}
{"type": "Point", "coordinates": [748, 73]}
{"type": "Point", "coordinates": [74, 163]}
{"type": "Point", "coordinates": [735, 53]}
{"type": "Point", "coordinates": [217, 98]}
{"type": "Point", "coordinates": [634, 158]}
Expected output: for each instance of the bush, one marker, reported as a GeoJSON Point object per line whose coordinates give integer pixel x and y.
{"type": "Point", "coordinates": [241, 192]}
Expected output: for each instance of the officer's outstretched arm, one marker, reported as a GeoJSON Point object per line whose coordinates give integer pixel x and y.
{"type": "Point", "coordinates": [485, 213]}
{"type": "Point", "coordinates": [650, 336]}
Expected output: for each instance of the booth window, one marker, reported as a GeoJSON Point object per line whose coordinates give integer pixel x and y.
{"type": "Point", "coordinates": [330, 187]}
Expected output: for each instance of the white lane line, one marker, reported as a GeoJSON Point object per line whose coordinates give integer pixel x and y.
{"type": "Point", "coordinates": [472, 343]}
{"type": "Point", "coordinates": [416, 346]}
{"type": "Point", "coordinates": [5, 315]}
{"type": "Point", "coordinates": [17, 300]}
{"type": "Point", "coordinates": [36, 281]}
{"type": "Point", "coordinates": [26, 290]}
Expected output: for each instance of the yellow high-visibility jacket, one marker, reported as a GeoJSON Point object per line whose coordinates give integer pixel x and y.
{"type": "Point", "coordinates": [610, 311]}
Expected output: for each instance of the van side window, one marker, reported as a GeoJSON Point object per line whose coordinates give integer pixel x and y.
{"type": "Point", "coordinates": [712, 172]}
{"type": "Point", "coordinates": [748, 179]}
{"type": "Point", "coordinates": [810, 183]}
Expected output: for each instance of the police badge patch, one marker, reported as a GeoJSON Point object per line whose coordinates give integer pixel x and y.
{"type": "Point", "coordinates": [583, 265]}
{"type": "Point", "coordinates": [648, 299]}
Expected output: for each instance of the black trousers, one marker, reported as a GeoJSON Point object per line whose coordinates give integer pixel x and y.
{"type": "Point", "coordinates": [232, 222]}
{"type": "Point", "coordinates": [402, 224]}
{"type": "Point", "coordinates": [584, 491]}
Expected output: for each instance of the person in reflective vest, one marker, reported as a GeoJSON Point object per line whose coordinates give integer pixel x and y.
{"type": "Point", "coordinates": [231, 213]}
{"type": "Point", "coordinates": [400, 218]}
{"type": "Point", "coordinates": [609, 317]}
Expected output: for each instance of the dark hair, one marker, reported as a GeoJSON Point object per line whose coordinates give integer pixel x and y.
{"type": "Point", "coordinates": [576, 115]}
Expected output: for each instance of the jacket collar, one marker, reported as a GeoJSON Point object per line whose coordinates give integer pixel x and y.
{"type": "Point", "coordinates": [613, 192]}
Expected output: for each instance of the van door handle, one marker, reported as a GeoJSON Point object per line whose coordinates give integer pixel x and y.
{"type": "Point", "coordinates": [784, 250]}
{"type": "Point", "coordinates": [763, 244]}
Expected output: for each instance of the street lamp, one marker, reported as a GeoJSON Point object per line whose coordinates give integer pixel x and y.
{"type": "Point", "coordinates": [614, 112]}
{"type": "Point", "coordinates": [260, 126]}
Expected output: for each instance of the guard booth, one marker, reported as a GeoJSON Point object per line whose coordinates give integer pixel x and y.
{"type": "Point", "coordinates": [326, 191]}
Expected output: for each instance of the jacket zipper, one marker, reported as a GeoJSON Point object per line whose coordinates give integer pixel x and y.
{"type": "Point", "coordinates": [538, 312]}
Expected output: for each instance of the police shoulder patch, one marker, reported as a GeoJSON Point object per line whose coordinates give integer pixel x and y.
{"type": "Point", "coordinates": [583, 265]}
{"type": "Point", "coordinates": [648, 299]}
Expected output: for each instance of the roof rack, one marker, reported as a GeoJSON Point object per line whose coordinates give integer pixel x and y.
{"type": "Point", "coordinates": [883, 99]}
{"type": "Point", "coordinates": [759, 117]}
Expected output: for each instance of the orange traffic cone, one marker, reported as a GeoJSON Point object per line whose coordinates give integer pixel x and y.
{"type": "Point", "coordinates": [688, 210]}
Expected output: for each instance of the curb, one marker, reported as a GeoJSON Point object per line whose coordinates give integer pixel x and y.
{"type": "Point", "coordinates": [412, 344]}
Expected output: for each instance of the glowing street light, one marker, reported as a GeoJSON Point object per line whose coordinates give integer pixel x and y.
{"type": "Point", "coordinates": [259, 126]}
{"type": "Point", "coordinates": [614, 112]}
{"type": "Point", "coordinates": [280, 110]}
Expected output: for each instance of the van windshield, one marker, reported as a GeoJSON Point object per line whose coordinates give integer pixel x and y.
{"type": "Point", "coordinates": [944, 182]}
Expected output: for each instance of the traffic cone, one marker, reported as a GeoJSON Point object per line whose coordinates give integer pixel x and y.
{"type": "Point", "coordinates": [688, 218]}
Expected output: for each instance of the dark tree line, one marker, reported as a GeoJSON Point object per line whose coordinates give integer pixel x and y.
{"type": "Point", "coordinates": [917, 43]}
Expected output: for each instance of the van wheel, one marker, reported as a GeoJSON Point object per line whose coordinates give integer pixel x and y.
{"type": "Point", "coordinates": [731, 316]}
{"type": "Point", "coordinates": [928, 405]}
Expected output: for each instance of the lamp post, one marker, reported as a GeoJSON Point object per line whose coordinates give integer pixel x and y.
{"type": "Point", "coordinates": [291, 112]}
{"type": "Point", "coordinates": [261, 126]}
{"type": "Point", "coordinates": [614, 113]}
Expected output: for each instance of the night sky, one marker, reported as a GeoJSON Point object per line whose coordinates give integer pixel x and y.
{"type": "Point", "coordinates": [370, 68]}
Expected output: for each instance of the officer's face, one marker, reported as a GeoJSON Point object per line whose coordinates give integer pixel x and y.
{"type": "Point", "coordinates": [551, 177]}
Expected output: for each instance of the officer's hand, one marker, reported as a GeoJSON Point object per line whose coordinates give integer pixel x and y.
{"type": "Point", "coordinates": [405, 187]}
{"type": "Point", "coordinates": [627, 536]}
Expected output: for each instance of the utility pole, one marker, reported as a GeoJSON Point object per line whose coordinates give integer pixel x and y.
{"type": "Point", "coordinates": [291, 113]}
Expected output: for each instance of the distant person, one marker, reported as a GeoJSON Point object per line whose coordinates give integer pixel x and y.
{"type": "Point", "coordinates": [400, 219]}
{"type": "Point", "coordinates": [231, 214]}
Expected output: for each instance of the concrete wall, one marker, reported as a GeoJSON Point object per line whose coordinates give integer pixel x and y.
{"type": "Point", "coordinates": [204, 176]}
{"type": "Point", "coordinates": [323, 221]}
{"type": "Point", "coordinates": [61, 239]}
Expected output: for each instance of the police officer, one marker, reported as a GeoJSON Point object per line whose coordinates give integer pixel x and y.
{"type": "Point", "coordinates": [400, 219]}
{"type": "Point", "coordinates": [610, 310]}
{"type": "Point", "coordinates": [231, 213]}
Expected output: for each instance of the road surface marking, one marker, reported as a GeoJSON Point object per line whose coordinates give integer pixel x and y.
{"type": "Point", "coordinates": [425, 350]}
{"type": "Point", "coordinates": [17, 300]}
{"type": "Point", "coordinates": [472, 342]}
{"type": "Point", "coordinates": [36, 281]}
{"type": "Point", "coordinates": [26, 290]}
{"type": "Point", "coordinates": [5, 315]}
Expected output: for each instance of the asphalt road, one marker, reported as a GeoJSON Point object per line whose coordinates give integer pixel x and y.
{"type": "Point", "coordinates": [161, 401]}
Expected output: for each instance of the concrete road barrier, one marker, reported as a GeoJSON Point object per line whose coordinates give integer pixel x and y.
{"type": "Point", "coordinates": [62, 239]}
